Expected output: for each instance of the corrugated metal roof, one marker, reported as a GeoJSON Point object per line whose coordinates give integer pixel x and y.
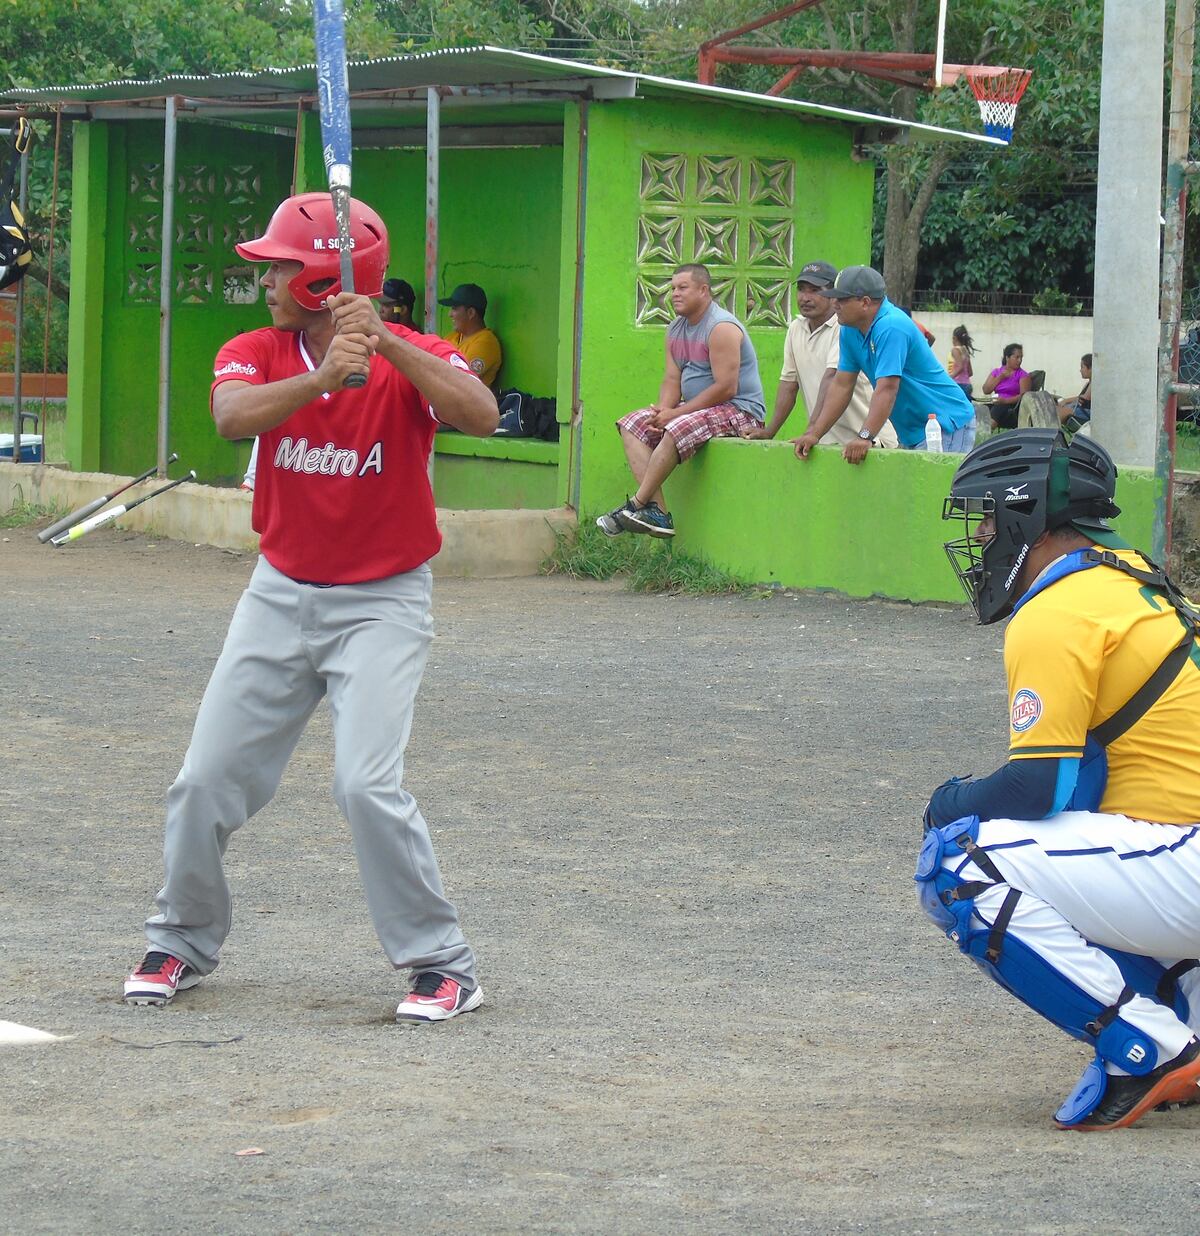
{"type": "Point", "coordinates": [271, 94]}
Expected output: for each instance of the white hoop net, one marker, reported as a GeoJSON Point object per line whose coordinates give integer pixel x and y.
{"type": "Point", "coordinates": [998, 91]}
{"type": "Point", "coordinates": [998, 118]}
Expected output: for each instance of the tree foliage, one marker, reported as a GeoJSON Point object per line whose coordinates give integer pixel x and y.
{"type": "Point", "coordinates": [64, 42]}
{"type": "Point", "coordinates": [960, 216]}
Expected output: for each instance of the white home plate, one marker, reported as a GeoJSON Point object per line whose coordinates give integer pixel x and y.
{"type": "Point", "coordinates": [11, 1033]}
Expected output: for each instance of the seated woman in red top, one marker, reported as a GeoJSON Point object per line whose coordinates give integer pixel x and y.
{"type": "Point", "coordinates": [1008, 384]}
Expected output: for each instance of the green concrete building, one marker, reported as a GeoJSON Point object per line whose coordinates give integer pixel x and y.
{"type": "Point", "coordinates": [569, 192]}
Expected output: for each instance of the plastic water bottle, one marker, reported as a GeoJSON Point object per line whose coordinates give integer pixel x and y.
{"type": "Point", "coordinates": [933, 434]}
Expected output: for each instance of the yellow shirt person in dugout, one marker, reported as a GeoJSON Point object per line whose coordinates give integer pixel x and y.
{"type": "Point", "coordinates": [468, 304]}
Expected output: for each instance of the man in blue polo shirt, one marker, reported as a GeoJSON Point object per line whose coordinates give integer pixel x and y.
{"type": "Point", "coordinates": [910, 383]}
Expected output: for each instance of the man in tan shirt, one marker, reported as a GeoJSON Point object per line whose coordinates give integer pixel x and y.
{"type": "Point", "coordinates": [810, 359]}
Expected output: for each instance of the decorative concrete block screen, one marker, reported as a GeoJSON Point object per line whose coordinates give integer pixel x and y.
{"type": "Point", "coordinates": [733, 213]}
{"type": "Point", "coordinates": [215, 207]}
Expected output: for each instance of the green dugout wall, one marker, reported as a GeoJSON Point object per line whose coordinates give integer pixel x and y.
{"type": "Point", "coordinates": [751, 196]}
{"type": "Point", "coordinates": [226, 190]}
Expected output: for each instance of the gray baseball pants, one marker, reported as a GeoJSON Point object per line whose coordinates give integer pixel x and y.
{"type": "Point", "coordinates": [364, 646]}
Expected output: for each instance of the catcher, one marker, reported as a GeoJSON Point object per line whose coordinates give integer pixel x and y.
{"type": "Point", "coordinates": [1071, 875]}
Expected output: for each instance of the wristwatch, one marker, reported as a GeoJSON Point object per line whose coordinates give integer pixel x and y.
{"type": "Point", "coordinates": [865, 435]}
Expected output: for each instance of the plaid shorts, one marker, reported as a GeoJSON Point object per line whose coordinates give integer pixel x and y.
{"type": "Point", "coordinates": [692, 430]}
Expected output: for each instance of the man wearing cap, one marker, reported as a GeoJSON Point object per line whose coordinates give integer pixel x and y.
{"type": "Point", "coordinates": [396, 303]}
{"type": "Point", "coordinates": [882, 341]}
{"type": "Point", "coordinates": [468, 304]}
{"type": "Point", "coordinates": [810, 359]}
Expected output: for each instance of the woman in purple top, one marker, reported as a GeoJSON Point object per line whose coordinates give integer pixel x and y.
{"type": "Point", "coordinates": [1008, 384]}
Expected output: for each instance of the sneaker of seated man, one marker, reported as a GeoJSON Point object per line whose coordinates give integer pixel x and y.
{"type": "Point", "coordinates": [710, 389]}
{"type": "Point", "coordinates": [468, 305]}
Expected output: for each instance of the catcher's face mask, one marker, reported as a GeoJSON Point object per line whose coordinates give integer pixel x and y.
{"type": "Point", "coordinates": [977, 518]}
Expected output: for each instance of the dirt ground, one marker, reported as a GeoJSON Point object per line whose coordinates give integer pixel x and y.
{"type": "Point", "coordinates": [681, 833]}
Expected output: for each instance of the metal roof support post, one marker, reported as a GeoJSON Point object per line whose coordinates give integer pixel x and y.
{"type": "Point", "coordinates": [575, 459]}
{"type": "Point", "coordinates": [1170, 306]}
{"type": "Point", "coordinates": [19, 324]}
{"type": "Point", "coordinates": [166, 285]}
{"type": "Point", "coordinates": [433, 142]}
{"type": "Point", "coordinates": [433, 139]}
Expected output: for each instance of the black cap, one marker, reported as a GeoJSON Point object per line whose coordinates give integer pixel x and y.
{"type": "Point", "coordinates": [469, 295]}
{"type": "Point", "coordinates": [819, 274]}
{"type": "Point", "coordinates": [398, 292]}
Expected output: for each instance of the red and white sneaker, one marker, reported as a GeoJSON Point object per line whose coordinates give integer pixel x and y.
{"type": "Point", "coordinates": [435, 997]}
{"type": "Point", "coordinates": [158, 978]}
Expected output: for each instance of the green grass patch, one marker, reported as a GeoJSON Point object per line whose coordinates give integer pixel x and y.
{"type": "Point", "coordinates": [645, 563]}
{"type": "Point", "coordinates": [22, 513]}
{"type": "Point", "coordinates": [1187, 447]}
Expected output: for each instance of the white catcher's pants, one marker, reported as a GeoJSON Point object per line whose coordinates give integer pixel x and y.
{"type": "Point", "coordinates": [1091, 879]}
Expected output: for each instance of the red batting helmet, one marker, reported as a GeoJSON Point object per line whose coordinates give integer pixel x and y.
{"type": "Point", "coordinates": [303, 229]}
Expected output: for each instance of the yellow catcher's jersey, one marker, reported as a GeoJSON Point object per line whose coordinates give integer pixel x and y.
{"type": "Point", "coordinates": [482, 350]}
{"type": "Point", "coordinates": [1074, 654]}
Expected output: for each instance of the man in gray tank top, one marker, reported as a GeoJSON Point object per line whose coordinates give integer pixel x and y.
{"type": "Point", "coordinates": [710, 389]}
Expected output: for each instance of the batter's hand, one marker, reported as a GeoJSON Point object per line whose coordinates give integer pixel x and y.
{"type": "Point", "coordinates": [356, 315]}
{"type": "Point", "coordinates": [347, 354]}
{"type": "Point", "coordinates": [804, 445]}
{"type": "Point", "coordinates": [855, 452]}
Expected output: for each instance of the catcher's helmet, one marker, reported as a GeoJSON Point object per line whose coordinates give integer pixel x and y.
{"type": "Point", "coordinates": [303, 229]}
{"type": "Point", "coordinates": [1026, 481]}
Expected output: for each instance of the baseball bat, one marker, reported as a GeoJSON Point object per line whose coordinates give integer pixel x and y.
{"type": "Point", "coordinates": [96, 503]}
{"type": "Point", "coordinates": [333, 96]}
{"type": "Point", "coordinates": [106, 517]}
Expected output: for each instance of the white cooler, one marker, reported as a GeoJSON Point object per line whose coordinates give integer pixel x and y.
{"type": "Point", "coordinates": [31, 448]}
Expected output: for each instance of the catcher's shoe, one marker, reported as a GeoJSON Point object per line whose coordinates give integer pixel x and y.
{"type": "Point", "coordinates": [435, 997]}
{"type": "Point", "coordinates": [1127, 1099]}
{"type": "Point", "coordinates": [158, 978]}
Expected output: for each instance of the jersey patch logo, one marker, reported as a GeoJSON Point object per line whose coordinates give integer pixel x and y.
{"type": "Point", "coordinates": [477, 365]}
{"type": "Point", "coordinates": [1026, 710]}
{"type": "Point", "coordinates": [234, 367]}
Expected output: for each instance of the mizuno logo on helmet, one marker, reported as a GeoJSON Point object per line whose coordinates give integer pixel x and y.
{"type": "Point", "coordinates": [1016, 493]}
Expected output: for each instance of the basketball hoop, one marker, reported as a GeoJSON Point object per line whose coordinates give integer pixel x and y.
{"type": "Point", "coordinates": [997, 91]}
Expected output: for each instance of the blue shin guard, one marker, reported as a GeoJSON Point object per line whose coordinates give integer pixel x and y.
{"type": "Point", "coordinates": [950, 902]}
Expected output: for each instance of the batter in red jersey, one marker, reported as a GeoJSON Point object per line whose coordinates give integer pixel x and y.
{"type": "Point", "coordinates": [338, 606]}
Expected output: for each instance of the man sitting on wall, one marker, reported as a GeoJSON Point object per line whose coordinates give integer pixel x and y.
{"type": "Point", "coordinates": [468, 304]}
{"type": "Point", "coordinates": [710, 389]}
